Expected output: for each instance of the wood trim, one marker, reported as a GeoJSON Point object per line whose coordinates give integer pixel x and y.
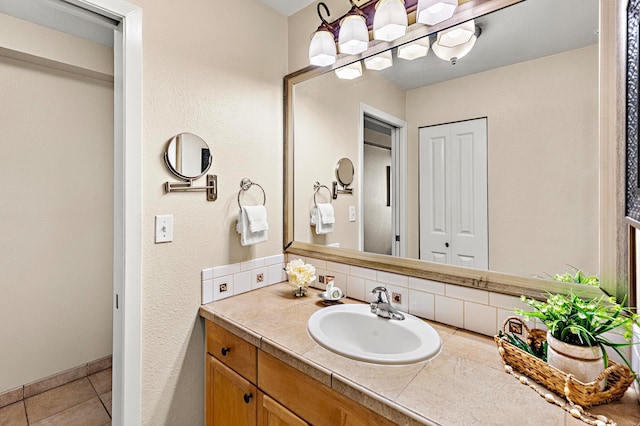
{"type": "Point", "coordinates": [613, 232]}
{"type": "Point", "coordinates": [632, 300]}
{"type": "Point", "coordinates": [613, 236]}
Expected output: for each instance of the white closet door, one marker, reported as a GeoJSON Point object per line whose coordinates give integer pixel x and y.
{"type": "Point", "coordinates": [435, 187]}
{"type": "Point", "coordinates": [453, 194]}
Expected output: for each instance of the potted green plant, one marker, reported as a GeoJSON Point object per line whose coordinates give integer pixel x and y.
{"type": "Point", "coordinates": [577, 277]}
{"type": "Point", "coordinates": [577, 331]}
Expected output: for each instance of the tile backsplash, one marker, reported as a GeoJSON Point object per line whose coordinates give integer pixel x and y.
{"type": "Point", "coordinates": [225, 281]}
{"type": "Point", "coordinates": [476, 310]}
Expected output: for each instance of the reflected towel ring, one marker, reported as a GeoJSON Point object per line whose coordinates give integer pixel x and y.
{"type": "Point", "coordinates": [316, 188]}
{"type": "Point", "coordinates": [245, 184]}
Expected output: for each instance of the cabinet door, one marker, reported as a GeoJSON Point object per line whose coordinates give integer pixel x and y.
{"type": "Point", "coordinates": [270, 413]}
{"type": "Point", "coordinates": [231, 400]}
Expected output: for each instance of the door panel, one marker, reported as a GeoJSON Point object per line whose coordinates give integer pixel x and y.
{"type": "Point", "coordinates": [453, 194]}
{"type": "Point", "coordinates": [434, 190]}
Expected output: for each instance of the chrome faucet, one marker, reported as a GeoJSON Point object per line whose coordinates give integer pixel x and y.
{"type": "Point", "coordinates": [382, 306]}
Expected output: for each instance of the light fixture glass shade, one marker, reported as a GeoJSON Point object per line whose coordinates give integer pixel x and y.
{"type": "Point", "coordinates": [431, 12]}
{"type": "Point", "coordinates": [349, 72]}
{"type": "Point", "coordinates": [452, 53]}
{"type": "Point", "coordinates": [457, 35]}
{"type": "Point", "coordinates": [414, 50]}
{"type": "Point", "coordinates": [354, 34]}
{"type": "Point", "coordinates": [322, 49]}
{"type": "Point", "coordinates": [390, 20]}
{"type": "Point", "coordinates": [379, 62]}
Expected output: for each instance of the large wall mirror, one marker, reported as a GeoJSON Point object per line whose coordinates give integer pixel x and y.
{"type": "Point", "coordinates": [532, 79]}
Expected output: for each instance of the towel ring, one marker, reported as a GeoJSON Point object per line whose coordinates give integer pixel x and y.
{"type": "Point", "coordinates": [245, 184]}
{"type": "Point", "coordinates": [316, 188]}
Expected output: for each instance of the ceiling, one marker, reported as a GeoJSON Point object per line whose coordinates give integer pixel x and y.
{"type": "Point", "coordinates": [62, 16]}
{"type": "Point", "coordinates": [288, 7]}
{"type": "Point", "coordinates": [522, 32]}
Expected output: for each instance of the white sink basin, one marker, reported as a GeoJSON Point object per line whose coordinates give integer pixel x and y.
{"type": "Point", "coordinates": [353, 331]}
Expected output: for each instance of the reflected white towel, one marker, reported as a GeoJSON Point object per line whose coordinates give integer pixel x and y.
{"type": "Point", "coordinates": [323, 218]}
{"type": "Point", "coordinates": [252, 225]}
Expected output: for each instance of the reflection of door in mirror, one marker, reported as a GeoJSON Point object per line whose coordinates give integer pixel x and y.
{"type": "Point", "coordinates": [453, 194]}
{"type": "Point", "coordinates": [376, 203]}
{"type": "Point", "coordinates": [383, 200]}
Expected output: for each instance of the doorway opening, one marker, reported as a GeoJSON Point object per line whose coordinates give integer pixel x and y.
{"type": "Point", "coordinates": [382, 182]}
{"type": "Point", "coordinates": [127, 193]}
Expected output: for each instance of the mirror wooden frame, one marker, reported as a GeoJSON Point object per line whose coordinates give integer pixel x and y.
{"type": "Point", "coordinates": [632, 147]}
{"type": "Point", "coordinates": [613, 233]}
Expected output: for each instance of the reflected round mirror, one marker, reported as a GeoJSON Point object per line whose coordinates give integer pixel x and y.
{"type": "Point", "coordinates": [344, 172]}
{"type": "Point", "coordinates": [188, 156]}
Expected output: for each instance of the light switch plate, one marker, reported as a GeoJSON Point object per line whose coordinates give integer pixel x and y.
{"type": "Point", "coordinates": [164, 228]}
{"type": "Point", "coordinates": [352, 213]}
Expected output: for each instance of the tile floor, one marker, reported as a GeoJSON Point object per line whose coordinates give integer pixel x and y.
{"type": "Point", "coordinates": [83, 402]}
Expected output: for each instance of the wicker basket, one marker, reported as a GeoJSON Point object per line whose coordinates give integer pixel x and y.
{"type": "Point", "coordinates": [619, 377]}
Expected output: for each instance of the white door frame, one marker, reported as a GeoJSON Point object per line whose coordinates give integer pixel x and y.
{"type": "Point", "coordinates": [127, 227]}
{"type": "Point", "coordinates": [399, 162]}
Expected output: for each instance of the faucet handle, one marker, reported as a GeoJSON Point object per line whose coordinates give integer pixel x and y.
{"type": "Point", "coordinates": [381, 293]}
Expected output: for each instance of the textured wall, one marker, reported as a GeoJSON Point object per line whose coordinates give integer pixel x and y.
{"type": "Point", "coordinates": [327, 128]}
{"type": "Point", "coordinates": [213, 68]}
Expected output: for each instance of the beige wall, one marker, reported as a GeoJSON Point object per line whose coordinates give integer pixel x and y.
{"type": "Point", "coordinates": [542, 119]}
{"type": "Point", "coordinates": [56, 170]}
{"type": "Point", "coordinates": [327, 128]}
{"type": "Point", "coordinates": [221, 78]}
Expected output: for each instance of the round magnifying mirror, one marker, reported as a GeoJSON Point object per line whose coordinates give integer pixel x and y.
{"type": "Point", "coordinates": [344, 172]}
{"type": "Point", "coordinates": [188, 156]}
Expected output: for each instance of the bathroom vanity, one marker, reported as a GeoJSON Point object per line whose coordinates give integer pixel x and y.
{"type": "Point", "coordinates": [264, 368]}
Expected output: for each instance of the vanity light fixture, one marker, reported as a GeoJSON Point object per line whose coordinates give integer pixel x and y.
{"type": "Point", "coordinates": [432, 12]}
{"type": "Point", "coordinates": [414, 50]}
{"type": "Point", "coordinates": [349, 72]}
{"type": "Point", "coordinates": [353, 37]}
{"type": "Point", "coordinates": [379, 62]}
{"type": "Point", "coordinates": [322, 49]}
{"type": "Point", "coordinates": [457, 35]}
{"type": "Point", "coordinates": [390, 20]}
{"type": "Point", "coordinates": [453, 47]}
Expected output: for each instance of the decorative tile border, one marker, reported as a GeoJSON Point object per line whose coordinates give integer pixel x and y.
{"type": "Point", "coordinates": [34, 388]}
{"type": "Point", "coordinates": [480, 311]}
{"type": "Point", "coordinates": [225, 281]}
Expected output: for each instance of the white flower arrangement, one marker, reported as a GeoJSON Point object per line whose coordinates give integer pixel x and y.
{"type": "Point", "coordinates": [300, 274]}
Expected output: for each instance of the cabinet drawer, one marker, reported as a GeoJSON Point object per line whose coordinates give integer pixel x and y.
{"type": "Point", "coordinates": [232, 350]}
{"type": "Point", "coordinates": [313, 401]}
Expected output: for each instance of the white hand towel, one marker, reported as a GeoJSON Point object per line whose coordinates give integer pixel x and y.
{"type": "Point", "coordinates": [323, 217]}
{"type": "Point", "coordinates": [327, 216]}
{"type": "Point", "coordinates": [252, 225]}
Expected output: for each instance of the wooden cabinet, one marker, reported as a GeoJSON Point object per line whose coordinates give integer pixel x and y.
{"type": "Point", "coordinates": [270, 413]}
{"type": "Point", "coordinates": [310, 399]}
{"type": "Point", "coordinates": [245, 386]}
{"type": "Point", "coordinates": [233, 351]}
{"type": "Point", "coordinates": [231, 399]}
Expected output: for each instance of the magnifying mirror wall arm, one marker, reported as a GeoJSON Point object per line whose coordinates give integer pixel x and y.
{"type": "Point", "coordinates": [337, 191]}
{"type": "Point", "coordinates": [211, 188]}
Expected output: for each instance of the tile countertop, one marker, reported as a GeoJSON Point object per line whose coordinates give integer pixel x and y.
{"type": "Point", "coordinates": [464, 385]}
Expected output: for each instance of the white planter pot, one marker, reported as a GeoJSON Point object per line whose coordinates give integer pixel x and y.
{"type": "Point", "coordinates": [584, 362]}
